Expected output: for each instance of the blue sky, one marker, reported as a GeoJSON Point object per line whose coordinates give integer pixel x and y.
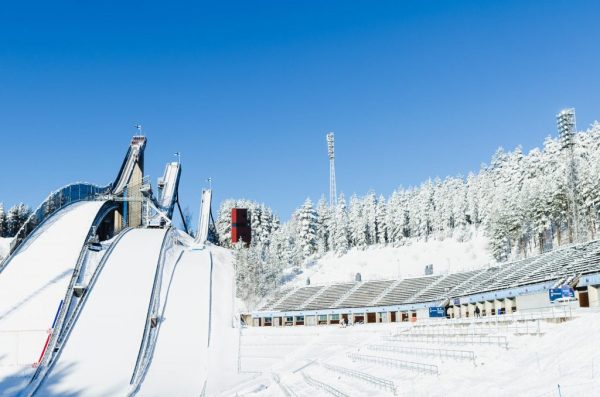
{"type": "Point", "coordinates": [247, 90]}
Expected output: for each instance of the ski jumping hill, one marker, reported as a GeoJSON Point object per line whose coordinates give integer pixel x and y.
{"type": "Point", "coordinates": [101, 296]}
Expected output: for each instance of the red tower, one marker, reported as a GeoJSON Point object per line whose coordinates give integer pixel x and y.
{"type": "Point", "coordinates": [240, 225]}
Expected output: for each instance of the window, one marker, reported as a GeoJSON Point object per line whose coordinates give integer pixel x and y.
{"type": "Point", "coordinates": [335, 317]}
{"type": "Point", "coordinates": [322, 317]}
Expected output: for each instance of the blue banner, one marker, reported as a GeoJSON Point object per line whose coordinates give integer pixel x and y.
{"type": "Point", "coordinates": [563, 292]}
{"type": "Point", "coordinates": [554, 294]}
{"type": "Point", "coordinates": [437, 311]}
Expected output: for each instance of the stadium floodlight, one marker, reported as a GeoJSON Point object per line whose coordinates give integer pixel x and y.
{"type": "Point", "coordinates": [565, 123]}
{"type": "Point", "coordinates": [331, 153]}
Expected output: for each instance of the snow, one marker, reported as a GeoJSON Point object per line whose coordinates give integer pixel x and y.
{"type": "Point", "coordinates": [566, 354]}
{"type": "Point", "coordinates": [4, 246]}
{"type": "Point", "coordinates": [32, 286]}
{"type": "Point", "coordinates": [100, 354]}
{"type": "Point", "coordinates": [376, 262]}
{"type": "Point", "coordinates": [177, 367]}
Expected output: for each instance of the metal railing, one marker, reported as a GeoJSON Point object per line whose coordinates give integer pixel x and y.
{"type": "Point", "coordinates": [55, 201]}
{"type": "Point", "coordinates": [500, 341]}
{"type": "Point", "coordinates": [323, 386]}
{"type": "Point", "coordinates": [150, 332]}
{"type": "Point", "coordinates": [395, 363]}
{"type": "Point", "coordinates": [424, 351]}
{"type": "Point", "coordinates": [381, 383]}
{"type": "Point", "coordinates": [557, 312]}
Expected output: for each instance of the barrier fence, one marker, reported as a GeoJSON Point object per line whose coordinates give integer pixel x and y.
{"type": "Point", "coordinates": [381, 383]}
{"type": "Point", "coordinates": [458, 339]}
{"type": "Point", "coordinates": [424, 351]}
{"type": "Point", "coordinates": [323, 386]}
{"type": "Point", "coordinates": [395, 363]}
{"type": "Point", "coordinates": [25, 347]}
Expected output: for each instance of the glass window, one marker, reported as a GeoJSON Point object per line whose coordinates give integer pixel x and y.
{"type": "Point", "coordinates": [335, 316]}
{"type": "Point", "coordinates": [322, 317]}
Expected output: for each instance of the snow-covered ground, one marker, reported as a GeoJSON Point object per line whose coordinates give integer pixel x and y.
{"type": "Point", "coordinates": [4, 246]}
{"type": "Point", "coordinates": [566, 354]}
{"type": "Point", "coordinates": [32, 286]}
{"type": "Point", "coordinates": [447, 256]}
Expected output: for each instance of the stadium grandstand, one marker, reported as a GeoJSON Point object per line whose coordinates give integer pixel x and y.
{"type": "Point", "coordinates": [495, 290]}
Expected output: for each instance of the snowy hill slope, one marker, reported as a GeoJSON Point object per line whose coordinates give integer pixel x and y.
{"type": "Point", "coordinates": [447, 256]}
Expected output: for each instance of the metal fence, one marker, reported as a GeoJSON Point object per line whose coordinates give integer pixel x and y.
{"type": "Point", "coordinates": [55, 201]}
{"type": "Point", "coordinates": [323, 386]}
{"type": "Point", "coordinates": [557, 312]}
{"type": "Point", "coordinates": [381, 383]}
{"type": "Point", "coordinates": [395, 363]}
{"type": "Point", "coordinates": [424, 351]}
{"type": "Point", "coordinates": [456, 339]}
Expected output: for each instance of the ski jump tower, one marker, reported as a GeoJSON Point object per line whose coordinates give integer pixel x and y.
{"type": "Point", "coordinates": [332, 188]}
{"type": "Point", "coordinates": [129, 184]}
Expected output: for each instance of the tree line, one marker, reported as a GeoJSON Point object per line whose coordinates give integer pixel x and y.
{"type": "Point", "coordinates": [526, 204]}
{"type": "Point", "coordinates": [11, 222]}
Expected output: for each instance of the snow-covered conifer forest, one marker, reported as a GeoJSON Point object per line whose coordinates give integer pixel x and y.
{"type": "Point", "coordinates": [522, 201]}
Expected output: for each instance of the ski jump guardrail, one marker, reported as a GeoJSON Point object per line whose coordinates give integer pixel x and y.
{"type": "Point", "coordinates": [54, 202]}
{"type": "Point", "coordinates": [381, 383]}
{"type": "Point", "coordinates": [424, 351]}
{"type": "Point", "coordinates": [395, 363]}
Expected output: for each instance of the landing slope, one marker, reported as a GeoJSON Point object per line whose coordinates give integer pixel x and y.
{"type": "Point", "coordinates": [179, 362]}
{"type": "Point", "coordinates": [100, 354]}
{"type": "Point", "coordinates": [32, 286]}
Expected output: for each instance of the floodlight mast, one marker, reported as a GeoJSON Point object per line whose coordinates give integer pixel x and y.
{"type": "Point", "coordinates": [566, 125]}
{"type": "Point", "coordinates": [332, 187]}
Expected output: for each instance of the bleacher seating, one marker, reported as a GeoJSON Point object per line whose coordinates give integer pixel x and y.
{"type": "Point", "coordinates": [365, 294]}
{"type": "Point", "coordinates": [565, 263]}
{"type": "Point", "coordinates": [328, 298]}
{"type": "Point", "coordinates": [273, 299]}
{"type": "Point", "coordinates": [408, 287]}
{"type": "Point", "coordinates": [442, 288]}
{"type": "Point", "coordinates": [295, 300]}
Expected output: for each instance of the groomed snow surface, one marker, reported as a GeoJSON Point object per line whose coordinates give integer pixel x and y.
{"type": "Point", "coordinates": [447, 256]}
{"type": "Point", "coordinates": [32, 286]}
{"type": "Point", "coordinates": [4, 246]}
{"type": "Point", "coordinates": [566, 354]}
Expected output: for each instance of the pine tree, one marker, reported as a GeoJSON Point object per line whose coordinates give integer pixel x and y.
{"type": "Point", "coordinates": [381, 221]}
{"type": "Point", "coordinates": [3, 226]}
{"type": "Point", "coordinates": [342, 232]}
{"type": "Point", "coordinates": [323, 226]}
{"type": "Point", "coordinates": [307, 228]}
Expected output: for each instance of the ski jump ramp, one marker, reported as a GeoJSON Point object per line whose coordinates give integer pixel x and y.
{"type": "Point", "coordinates": [32, 286]}
{"type": "Point", "coordinates": [100, 354]}
{"type": "Point", "coordinates": [179, 366]}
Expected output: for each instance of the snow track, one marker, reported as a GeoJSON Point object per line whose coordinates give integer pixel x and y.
{"type": "Point", "coordinates": [179, 366]}
{"type": "Point", "coordinates": [32, 286]}
{"type": "Point", "coordinates": [100, 355]}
